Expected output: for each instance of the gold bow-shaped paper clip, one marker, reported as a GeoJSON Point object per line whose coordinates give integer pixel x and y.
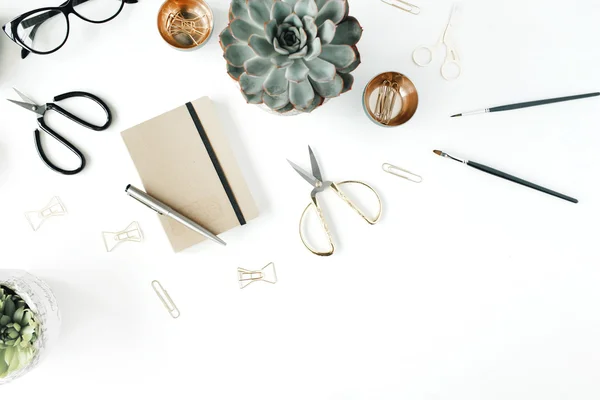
{"type": "Point", "coordinates": [132, 233]}
{"type": "Point", "coordinates": [266, 274]}
{"type": "Point", "coordinates": [55, 208]}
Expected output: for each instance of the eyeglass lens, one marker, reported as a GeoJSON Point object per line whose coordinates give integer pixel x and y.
{"type": "Point", "coordinates": [43, 31]}
{"type": "Point", "coordinates": [46, 30]}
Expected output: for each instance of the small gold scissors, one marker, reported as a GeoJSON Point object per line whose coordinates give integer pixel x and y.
{"type": "Point", "coordinates": [316, 180]}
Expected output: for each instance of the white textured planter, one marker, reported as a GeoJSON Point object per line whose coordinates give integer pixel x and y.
{"type": "Point", "coordinates": [39, 297]}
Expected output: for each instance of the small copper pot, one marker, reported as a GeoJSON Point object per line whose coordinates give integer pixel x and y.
{"type": "Point", "coordinates": [185, 24]}
{"type": "Point", "coordinates": [390, 99]}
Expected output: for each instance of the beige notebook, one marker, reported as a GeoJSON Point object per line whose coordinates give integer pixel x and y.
{"type": "Point", "coordinates": [184, 160]}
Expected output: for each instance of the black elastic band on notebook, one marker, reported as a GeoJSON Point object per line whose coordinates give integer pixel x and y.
{"type": "Point", "coordinates": [216, 164]}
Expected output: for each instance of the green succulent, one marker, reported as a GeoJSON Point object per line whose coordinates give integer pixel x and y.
{"type": "Point", "coordinates": [18, 332]}
{"type": "Point", "coordinates": [291, 54]}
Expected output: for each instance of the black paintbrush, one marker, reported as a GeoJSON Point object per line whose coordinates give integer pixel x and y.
{"type": "Point", "coordinates": [503, 175]}
{"type": "Point", "coordinates": [528, 104]}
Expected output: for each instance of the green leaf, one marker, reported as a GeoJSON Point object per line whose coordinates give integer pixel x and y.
{"type": "Point", "coordinates": [348, 82]}
{"type": "Point", "coordinates": [317, 101]}
{"type": "Point", "coordinates": [339, 55]}
{"type": "Point", "coordinates": [314, 50]}
{"type": "Point", "coordinates": [354, 65]}
{"type": "Point", "coordinates": [27, 316]}
{"type": "Point", "coordinates": [279, 49]}
{"type": "Point", "coordinates": [271, 30]}
{"type": "Point", "coordinates": [294, 20]}
{"type": "Point", "coordinates": [261, 46]}
{"type": "Point", "coordinates": [303, 38]}
{"type": "Point", "coordinates": [327, 32]}
{"type": "Point", "coordinates": [235, 72]}
{"type": "Point", "coordinates": [276, 102]}
{"type": "Point", "coordinates": [9, 307]}
{"type": "Point", "coordinates": [4, 320]}
{"type": "Point", "coordinates": [238, 54]}
{"type": "Point", "coordinates": [282, 61]}
{"type": "Point", "coordinates": [306, 7]}
{"type": "Point", "coordinates": [8, 355]}
{"type": "Point", "coordinates": [334, 10]}
{"type": "Point", "coordinates": [239, 9]}
{"type": "Point", "coordinates": [320, 70]}
{"type": "Point", "coordinates": [28, 330]}
{"type": "Point", "coordinates": [226, 38]}
{"type": "Point", "coordinates": [19, 315]}
{"type": "Point", "coordinates": [276, 83]}
{"type": "Point", "coordinates": [286, 109]}
{"type": "Point", "coordinates": [310, 27]}
{"type": "Point", "coordinates": [259, 12]}
{"type": "Point", "coordinates": [297, 72]}
{"type": "Point", "coordinates": [242, 30]}
{"type": "Point", "coordinates": [348, 32]}
{"type": "Point", "coordinates": [301, 94]}
{"type": "Point", "coordinates": [252, 84]}
{"type": "Point", "coordinates": [3, 365]}
{"type": "Point", "coordinates": [258, 66]}
{"type": "Point", "coordinates": [329, 89]}
{"type": "Point", "coordinates": [280, 11]}
{"type": "Point", "coordinates": [253, 98]}
{"type": "Point", "coordinates": [300, 54]}
{"type": "Point", "coordinates": [320, 3]}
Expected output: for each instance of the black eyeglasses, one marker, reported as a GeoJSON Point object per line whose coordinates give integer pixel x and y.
{"type": "Point", "coordinates": [45, 30]}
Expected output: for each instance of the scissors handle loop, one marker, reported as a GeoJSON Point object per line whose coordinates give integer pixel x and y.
{"type": "Point", "coordinates": [342, 195]}
{"type": "Point", "coordinates": [371, 221]}
{"type": "Point", "coordinates": [61, 140]}
{"type": "Point", "coordinates": [423, 55]}
{"type": "Point", "coordinates": [65, 113]}
{"type": "Point", "coordinates": [331, 248]}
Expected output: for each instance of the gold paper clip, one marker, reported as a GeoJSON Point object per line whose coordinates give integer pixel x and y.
{"type": "Point", "coordinates": [54, 208]}
{"type": "Point", "coordinates": [193, 27]}
{"type": "Point", "coordinates": [167, 301]}
{"type": "Point", "coordinates": [384, 108]}
{"type": "Point", "coordinates": [404, 6]}
{"type": "Point", "coordinates": [402, 173]}
{"type": "Point", "coordinates": [266, 274]}
{"type": "Point", "coordinates": [132, 233]}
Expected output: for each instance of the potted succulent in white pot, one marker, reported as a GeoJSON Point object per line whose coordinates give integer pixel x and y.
{"type": "Point", "coordinates": [29, 320]}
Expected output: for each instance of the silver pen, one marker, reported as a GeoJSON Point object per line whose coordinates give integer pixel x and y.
{"type": "Point", "coordinates": [164, 209]}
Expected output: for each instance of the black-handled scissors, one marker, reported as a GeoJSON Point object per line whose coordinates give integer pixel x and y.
{"type": "Point", "coordinates": [41, 110]}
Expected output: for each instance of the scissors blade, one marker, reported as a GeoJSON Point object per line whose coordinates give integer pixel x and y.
{"type": "Point", "coordinates": [315, 165]}
{"type": "Point", "coordinates": [308, 177]}
{"type": "Point", "coordinates": [31, 107]}
{"type": "Point", "coordinates": [23, 96]}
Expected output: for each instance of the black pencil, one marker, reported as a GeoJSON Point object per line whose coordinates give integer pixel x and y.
{"type": "Point", "coordinates": [506, 176]}
{"type": "Point", "coordinates": [527, 104]}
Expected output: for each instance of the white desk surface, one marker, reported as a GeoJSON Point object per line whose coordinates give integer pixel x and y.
{"type": "Point", "coordinates": [470, 288]}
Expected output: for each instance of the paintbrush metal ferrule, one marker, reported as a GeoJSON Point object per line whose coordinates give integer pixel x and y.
{"type": "Point", "coordinates": [466, 114]}
{"type": "Point", "coordinates": [446, 155]}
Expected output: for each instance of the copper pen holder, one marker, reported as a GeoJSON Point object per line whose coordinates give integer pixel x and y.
{"type": "Point", "coordinates": [390, 99]}
{"type": "Point", "coordinates": [185, 24]}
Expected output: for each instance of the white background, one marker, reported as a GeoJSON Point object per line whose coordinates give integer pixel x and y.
{"type": "Point", "coordinates": [469, 288]}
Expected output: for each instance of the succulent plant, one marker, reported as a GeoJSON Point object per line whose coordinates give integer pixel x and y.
{"type": "Point", "coordinates": [291, 54]}
{"type": "Point", "coordinates": [18, 332]}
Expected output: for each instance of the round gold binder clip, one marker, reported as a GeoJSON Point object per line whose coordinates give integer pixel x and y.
{"type": "Point", "coordinates": [390, 99]}
{"type": "Point", "coordinates": [185, 24]}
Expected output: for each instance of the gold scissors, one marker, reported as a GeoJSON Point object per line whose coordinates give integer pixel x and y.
{"type": "Point", "coordinates": [316, 180]}
{"type": "Point", "coordinates": [424, 55]}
